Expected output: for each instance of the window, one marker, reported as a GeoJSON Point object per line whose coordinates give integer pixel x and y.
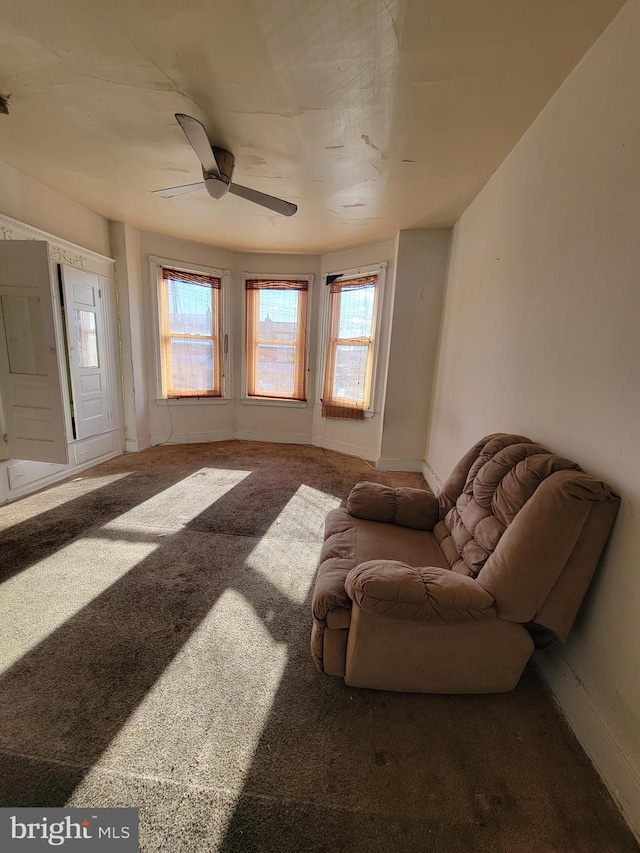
{"type": "Point", "coordinates": [190, 325]}
{"type": "Point", "coordinates": [350, 344]}
{"type": "Point", "coordinates": [276, 338]}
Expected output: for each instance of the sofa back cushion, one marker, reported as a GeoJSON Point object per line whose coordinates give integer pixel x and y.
{"type": "Point", "coordinates": [529, 525]}
{"type": "Point", "coordinates": [503, 477]}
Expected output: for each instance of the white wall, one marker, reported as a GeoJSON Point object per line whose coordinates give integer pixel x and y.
{"type": "Point", "coordinates": [540, 336]}
{"type": "Point", "coordinates": [35, 204]}
{"type": "Point", "coordinates": [132, 304]}
{"type": "Point", "coordinates": [421, 266]}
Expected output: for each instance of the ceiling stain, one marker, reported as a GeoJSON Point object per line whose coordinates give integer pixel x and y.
{"type": "Point", "coordinates": [299, 111]}
{"type": "Point", "coordinates": [250, 160]}
{"type": "Point", "coordinates": [367, 141]}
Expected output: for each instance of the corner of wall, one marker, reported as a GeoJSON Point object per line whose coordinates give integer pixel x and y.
{"type": "Point", "coordinates": [434, 482]}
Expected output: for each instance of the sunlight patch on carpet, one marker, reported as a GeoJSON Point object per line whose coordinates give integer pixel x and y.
{"type": "Point", "coordinates": [203, 718]}
{"type": "Point", "coordinates": [31, 506]}
{"type": "Point", "coordinates": [40, 599]}
{"type": "Point", "coordinates": [182, 502]}
{"type": "Point", "coordinates": [293, 571]}
{"type": "Point", "coordinates": [305, 513]}
{"type": "Point", "coordinates": [289, 566]}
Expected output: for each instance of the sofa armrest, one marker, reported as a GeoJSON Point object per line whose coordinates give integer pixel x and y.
{"type": "Point", "coordinates": [425, 594]}
{"type": "Point", "coordinates": [415, 508]}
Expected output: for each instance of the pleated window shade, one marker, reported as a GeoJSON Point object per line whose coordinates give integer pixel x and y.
{"type": "Point", "coordinates": [190, 334]}
{"type": "Point", "coordinates": [276, 338]}
{"type": "Point", "coordinates": [348, 367]}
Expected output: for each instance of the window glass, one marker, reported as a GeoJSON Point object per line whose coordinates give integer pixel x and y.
{"type": "Point", "coordinates": [356, 312]}
{"type": "Point", "coordinates": [190, 334]}
{"type": "Point", "coordinates": [276, 338]}
{"type": "Point", "coordinates": [348, 370]}
{"type": "Point", "coordinates": [86, 338]}
{"type": "Point", "coordinates": [350, 375]}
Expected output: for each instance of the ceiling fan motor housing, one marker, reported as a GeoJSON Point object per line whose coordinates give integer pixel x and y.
{"type": "Point", "coordinates": [218, 185]}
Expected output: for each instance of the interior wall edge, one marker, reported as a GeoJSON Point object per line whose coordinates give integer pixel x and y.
{"type": "Point", "coordinates": [390, 463]}
{"type": "Point", "coordinates": [347, 449]}
{"type": "Point", "coordinates": [433, 480]}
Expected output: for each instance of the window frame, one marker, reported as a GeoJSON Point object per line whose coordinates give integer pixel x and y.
{"type": "Point", "coordinates": [276, 401]}
{"type": "Point", "coordinates": [380, 271]}
{"type": "Point", "coordinates": [156, 265]}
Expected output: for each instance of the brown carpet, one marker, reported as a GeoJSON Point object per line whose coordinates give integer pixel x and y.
{"type": "Point", "coordinates": [155, 653]}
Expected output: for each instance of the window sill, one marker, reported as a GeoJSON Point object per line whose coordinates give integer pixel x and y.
{"type": "Point", "coordinates": [193, 401]}
{"type": "Point", "coordinates": [274, 401]}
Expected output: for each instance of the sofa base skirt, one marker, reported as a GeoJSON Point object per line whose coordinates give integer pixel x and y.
{"type": "Point", "coordinates": [421, 657]}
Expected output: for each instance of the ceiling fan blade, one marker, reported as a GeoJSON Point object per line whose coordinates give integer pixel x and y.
{"type": "Point", "coordinates": [199, 141]}
{"type": "Point", "coordinates": [271, 202]}
{"type": "Point", "coordinates": [173, 191]}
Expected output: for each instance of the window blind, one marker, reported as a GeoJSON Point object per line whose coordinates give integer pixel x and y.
{"type": "Point", "coordinates": [349, 354]}
{"type": "Point", "coordinates": [190, 334]}
{"type": "Point", "coordinates": [276, 338]}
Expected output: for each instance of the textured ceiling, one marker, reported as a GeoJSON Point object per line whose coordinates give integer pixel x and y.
{"type": "Point", "coordinates": [371, 115]}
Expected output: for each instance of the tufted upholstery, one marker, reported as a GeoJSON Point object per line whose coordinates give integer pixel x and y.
{"type": "Point", "coordinates": [503, 477]}
{"type": "Point", "coordinates": [447, 593]}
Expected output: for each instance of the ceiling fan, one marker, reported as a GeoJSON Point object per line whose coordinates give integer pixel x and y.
{"type": "Point", "coordinates": [217, 171]}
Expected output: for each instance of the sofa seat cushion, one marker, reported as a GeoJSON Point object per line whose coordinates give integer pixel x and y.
{"type": "Point", "coordinates": [350, 541]}
{"type": "Point", "coordinates": [361, 540]}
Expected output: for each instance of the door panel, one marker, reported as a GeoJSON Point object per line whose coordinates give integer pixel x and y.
{"type": "Point", "coordinates": [87, 351]}
{"type": "Point", "coordinates": [30, 388]}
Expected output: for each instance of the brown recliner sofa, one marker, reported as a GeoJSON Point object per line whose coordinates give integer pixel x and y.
{"type": "Point", "coordinates": [452, 593]}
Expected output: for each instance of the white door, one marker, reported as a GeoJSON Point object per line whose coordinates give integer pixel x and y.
{"type": "Point", "coordinates": [87, 351]}
{"type": "Point", "coordinates": [30, 390]}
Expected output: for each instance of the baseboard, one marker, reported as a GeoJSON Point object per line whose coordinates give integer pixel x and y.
{"type": "Point", "coordinates": [434, 482]}
{"type": "Point", "coordinates": [348, 449]}
{"type": "Point", "coordinates": [136, 446]}
{"type": "Point", "coordinates": [192, 438]}
{"type": "Point", "coordinates": [282, 437]}
{"type": "Point", "coordinates": [65, 472]}
{"type": "Point", "coordinates": [619, 770]}
{"type": "Point", "coordinates": [259, 435]}
{"type": "Point", "coordinates": [398, 464]}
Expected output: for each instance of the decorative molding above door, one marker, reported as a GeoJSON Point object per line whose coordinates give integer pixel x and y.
{"type": "Point", "coordinates": [61, 251]}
